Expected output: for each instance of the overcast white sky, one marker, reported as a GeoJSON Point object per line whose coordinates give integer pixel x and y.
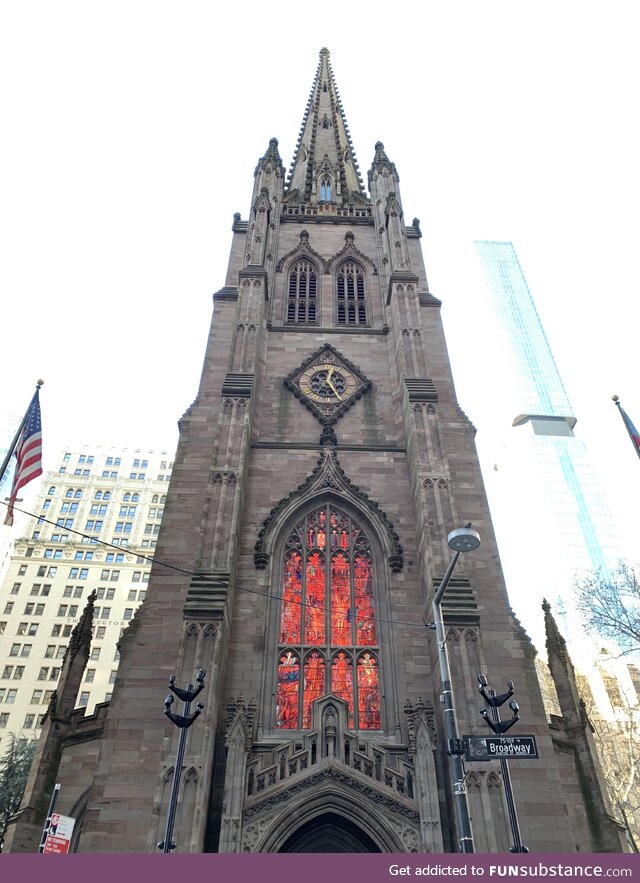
{"type": "Point", "coordinates": [131, 131]}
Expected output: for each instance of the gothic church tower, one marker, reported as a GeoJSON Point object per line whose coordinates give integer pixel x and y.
{"type": "Point", "coordinates": [319, 471]}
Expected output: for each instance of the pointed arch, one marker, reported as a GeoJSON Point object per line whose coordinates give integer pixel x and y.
{"type": "Point", "coordinates": [334, 798]}
{"type": "Point", "coordinates": [329, 477]}
{"type": "Point", "coordinates": [351, 294]}
{"type": "Point", "coordinates": [303, 291]}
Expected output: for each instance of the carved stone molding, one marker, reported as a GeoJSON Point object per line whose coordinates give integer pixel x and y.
{"type": "Point", "coordinates": [421, 711]}
{"type": "Point", "coordinates": [328, 473]}
{"type": "Point", "coordinates": [342, 776]}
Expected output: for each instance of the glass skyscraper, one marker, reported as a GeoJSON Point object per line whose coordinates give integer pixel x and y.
{"type": "Point", "coordinates": [551, 515]}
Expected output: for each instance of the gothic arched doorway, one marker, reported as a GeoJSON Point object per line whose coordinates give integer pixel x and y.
{"type": "Point", "coordinates": [329, 832]}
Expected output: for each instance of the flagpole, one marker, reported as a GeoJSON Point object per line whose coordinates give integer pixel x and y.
{"type": "Point", "coordinates": [627, 427]}
{"type": "Point", "coordinates": [12, 448]}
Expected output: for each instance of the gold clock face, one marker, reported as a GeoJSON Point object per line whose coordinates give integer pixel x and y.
{"type": "Point", "coordinates": [325, 383]}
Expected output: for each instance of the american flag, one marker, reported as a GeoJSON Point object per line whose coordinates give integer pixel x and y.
{"type": "Point", "coordinates": [634, 435]}
{"type": "Point", "coordinates": [28, 452]}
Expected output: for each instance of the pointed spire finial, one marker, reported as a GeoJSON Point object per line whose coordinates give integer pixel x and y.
{"type": "Point", "coordinates": [324, 169]}
{"type": "Point", "coordinates": [382, 161]}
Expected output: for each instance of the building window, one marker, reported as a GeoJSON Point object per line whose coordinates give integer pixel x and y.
{"type": "Point", "coordinates": [83, 701]}
{"type": "Point", "coordinates": [90, 675]}
{"type": "Point", "coordinates": [351, 302]}
{"type": "Point", "coordinates": [325, 189]}
{"type": "Point", "coordinates": [327, 638]}
{"type": "Point", "coordinates": [302, 302]}
{"type": "Point", "coordinates": [4, 720]}
{"type": "Point", "coordinates": [28, 721]}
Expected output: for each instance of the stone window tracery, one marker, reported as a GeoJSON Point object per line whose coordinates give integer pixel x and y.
{"type": "Point", "coordinates": [351, 300]}
{"type": "Point", "coordinates": [302, 302]}
{"type": "Point", "coordinates": [327, 631]}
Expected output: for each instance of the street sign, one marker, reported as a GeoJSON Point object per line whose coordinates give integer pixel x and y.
{"type": "Point", "coordinates": [59, 834]}
{"type": "Point", "coordinates": [484, 748]}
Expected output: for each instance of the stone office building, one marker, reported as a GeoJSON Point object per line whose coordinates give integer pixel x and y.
{"type": "Point", "coordinates": [319, 470]}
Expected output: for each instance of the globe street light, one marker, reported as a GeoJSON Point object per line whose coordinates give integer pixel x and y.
{"type": "Point", "coordinates": [464, 539]}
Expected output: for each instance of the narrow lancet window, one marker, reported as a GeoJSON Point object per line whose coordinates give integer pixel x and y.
{"type": "Point", "coordinates": [351, 301]}
{"type": "Point", "coordinates": [302, 301]}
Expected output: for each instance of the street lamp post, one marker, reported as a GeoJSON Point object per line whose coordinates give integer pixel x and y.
{"type": "Point", "coordinates": [461, 540]}
{"type": "Point", "coordinates": [183, 721]}
{"type": "Point", "coordinates": [499, 727]}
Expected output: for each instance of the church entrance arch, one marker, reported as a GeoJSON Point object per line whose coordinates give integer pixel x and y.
{"type": "Point", "coordinates": [329, 832]}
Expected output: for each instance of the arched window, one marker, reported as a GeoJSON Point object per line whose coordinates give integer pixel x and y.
{"type": "Point", "coordinates": [325, 190]}
{"type": "Point", "coordinates": [327, 632]}
{"type": "Point", "coordinates": [351, 305]}
{"type": "Point", "coordinates": [302, 303]}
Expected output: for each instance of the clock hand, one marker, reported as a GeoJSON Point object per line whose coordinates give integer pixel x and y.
{"type": "Point", "coordinates": [330, 384]}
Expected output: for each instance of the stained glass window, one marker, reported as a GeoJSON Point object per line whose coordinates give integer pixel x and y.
{"type": "Point", "coordinates": [327, 634]}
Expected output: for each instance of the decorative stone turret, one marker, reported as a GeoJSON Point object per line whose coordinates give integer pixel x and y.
{"type": "Point", "coordinates": [575, 735]}
{"type": "Point", "coordinates": [25, 829]}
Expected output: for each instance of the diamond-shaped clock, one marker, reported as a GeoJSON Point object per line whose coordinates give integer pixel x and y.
{"type": "Point", "coordinates": [328, 384]}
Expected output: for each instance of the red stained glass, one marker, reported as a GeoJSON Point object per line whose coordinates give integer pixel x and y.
{"type": "Point", "coordinates": [292, 602]}
{"type": "Point", "coordinates": [314, 616]}
{"type": "Point", "coordinates": [368, 693]}
{"type": "Point", "coordinates": [327, 602]}
{"type": "Point", "coordinates": [340, 601]}
{"type": "Point", "coordinates": [288, 688]}
{"type": "Point", "coordinates": [314, 685]}
{"type": "Point", "coordinates": [342, 681]}
{"type": "Point", "coordinates": [363, 583]}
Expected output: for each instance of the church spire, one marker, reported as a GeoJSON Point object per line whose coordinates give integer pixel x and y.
{"type": "Point", "coordinates": [324, 168]}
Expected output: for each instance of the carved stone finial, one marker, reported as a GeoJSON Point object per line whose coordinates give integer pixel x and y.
{"type": "Point", "coordinates": [556, 644]}
{"type": "Point", "coordinates": [81, 634]}
{"type": "Point", "coordinates": [328, 437]}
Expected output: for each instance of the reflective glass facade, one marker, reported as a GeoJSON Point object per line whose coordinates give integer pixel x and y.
{"type": "Point", "coordinates": [544, 481]}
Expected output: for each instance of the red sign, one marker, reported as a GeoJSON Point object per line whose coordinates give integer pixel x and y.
{"type": "Point", "coordinates": [59, 834]}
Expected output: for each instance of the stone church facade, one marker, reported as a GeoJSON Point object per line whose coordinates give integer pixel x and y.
{"type": "Point", "coordinates": [319, 471]}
